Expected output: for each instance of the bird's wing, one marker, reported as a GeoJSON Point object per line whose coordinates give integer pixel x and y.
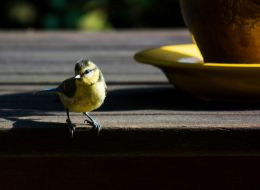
{"type": "Point", "coordinates": [51, 90]}
{"type": "Point", "coordinates": [68, 87]}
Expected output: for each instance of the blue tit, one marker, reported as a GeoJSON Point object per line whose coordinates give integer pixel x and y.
{"type": "Point", "coordinates": [84, 92]}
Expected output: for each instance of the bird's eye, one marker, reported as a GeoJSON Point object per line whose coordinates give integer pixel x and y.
{"type": "Point", "coordinates": [88, 71]}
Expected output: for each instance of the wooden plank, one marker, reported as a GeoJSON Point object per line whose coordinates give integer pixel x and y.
{"type": "Point", "coordinates": [55, 79]}
{"type": "Point", "coordinates": [144, 119]}
{"type": "Point", "coordinates": [32, 57]}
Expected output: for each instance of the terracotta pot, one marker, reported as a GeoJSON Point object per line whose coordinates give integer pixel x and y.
{"type": "Point", "coordinates": [225, 30]}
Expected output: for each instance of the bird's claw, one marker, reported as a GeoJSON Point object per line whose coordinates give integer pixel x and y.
{"type": "Point", "coordinates": [71, 127]}
{"type": "Point", "coordinates": [95, 126]}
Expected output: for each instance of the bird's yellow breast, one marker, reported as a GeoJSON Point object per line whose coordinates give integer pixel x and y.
{"type": "Point", "coordinates": [86, 97]}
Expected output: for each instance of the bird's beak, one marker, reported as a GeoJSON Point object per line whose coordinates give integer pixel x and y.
{"type": "Point", "coordinates": [80, 76]}
{"type": "Point", "coordinates": [77, 77]}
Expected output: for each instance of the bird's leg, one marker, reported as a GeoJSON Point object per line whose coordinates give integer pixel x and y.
{"type": "Point", "coordinates": [70, 125]}
{"type": "Point", "coordinates": [95, 125]}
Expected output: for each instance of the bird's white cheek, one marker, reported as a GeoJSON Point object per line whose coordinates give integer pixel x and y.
{"type": "Point", "coordinates": [89, 75]}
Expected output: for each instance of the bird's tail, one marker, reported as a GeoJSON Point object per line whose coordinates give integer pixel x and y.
{"type": "Point", "coordinates": [51, 90]}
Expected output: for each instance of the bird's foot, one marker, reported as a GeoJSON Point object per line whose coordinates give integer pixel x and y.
{"type": "Point", "coordinates": [95, 125]}
{"type": "Point", "coordinates": [71, 127]}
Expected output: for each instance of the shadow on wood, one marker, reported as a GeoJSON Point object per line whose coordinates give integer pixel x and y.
{"type": "Point", "coordinates": [137, 98]}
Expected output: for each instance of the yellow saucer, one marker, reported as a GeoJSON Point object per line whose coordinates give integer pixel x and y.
{"type": "Point", "coordinates": [184, 67]}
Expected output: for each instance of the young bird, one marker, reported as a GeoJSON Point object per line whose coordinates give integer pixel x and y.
{"type": "Point", "coordinates": [84, 92]}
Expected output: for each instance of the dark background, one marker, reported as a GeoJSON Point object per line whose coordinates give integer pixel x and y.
{"type": "Point", "coordinates": [89, 14]}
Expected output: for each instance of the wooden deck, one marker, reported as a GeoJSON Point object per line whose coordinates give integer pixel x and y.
{"type": "Point", "coordinates": [142, 114]}
{"type": "Point", "coordinates": [153, 136]}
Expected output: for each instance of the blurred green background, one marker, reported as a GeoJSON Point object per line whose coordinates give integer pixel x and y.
{"type": "Point", "coordinates": [89, 14]}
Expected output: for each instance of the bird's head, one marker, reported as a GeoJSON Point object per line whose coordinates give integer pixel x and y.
{"type": "Point", "coordinates": [86, 72]}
